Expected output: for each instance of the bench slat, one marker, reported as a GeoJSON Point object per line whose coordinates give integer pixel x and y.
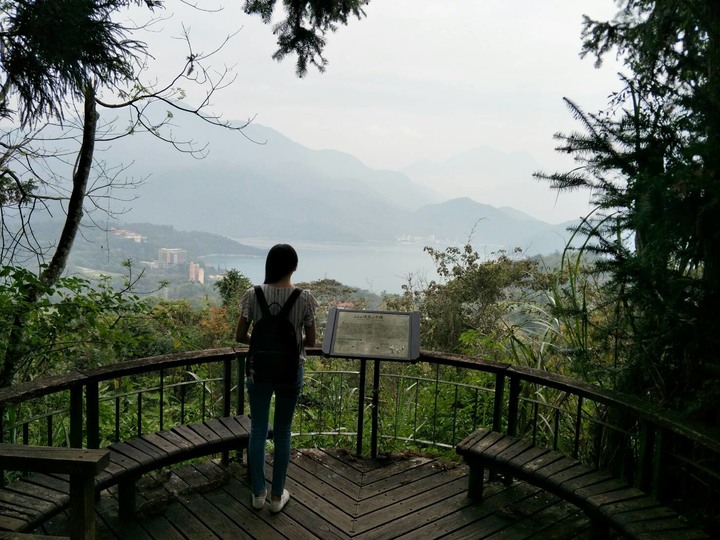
{"type": "Point", "coordinates": [132, 453]}
{"type": "Point", "coordinates": [204, 431]}
{"type": "Point", "coordinates": [28, 502]}
{"type": "Point", "coordinates": [638, 506]}
{"type": "Point", "coordinates": [165, 445]}
{"type": "Point", "coordinates": [60, 483]}
{"type": "Point", "coordinates": [11, 514]}
{"type": "Point", "coordinates": [180, 442]}
{"type": "Point", "coordinates": [236, 427]}
{"type": "Point", "coordinates": [486, 442]}
{"type": "Point", "coordinates": [147, 448]}
{"type": "Point", "coordinates": [25, 503]}
{"type": "Point", "coordinates": [556, 467]}
{"type": "Point", "coordinates": [224, 433]}
{"type": "Point", "coordinates": [40, 492]}
{"type": "Point", "coordinates": [605, 498]}
{"type": "Point", "coordinates": [471, 440]}
{"type": "Point", "coordinates": [571, 473]}
{"type": "Point", "coordinates": [579, 482]}
{"type": "Point", "coordinates": [111, 471]}
{"type": "Point", "coordinates": [606, 486]}
{"type": "Point", "coordinates": [123, 461]}
{"type": "Point", "coordinates": [619, 495]}
{"type": "Point", "coordinates": [500, 445]}
{"type": "Point", "coordinates": [546, 458]}
{"type": "Point", "coordinates": [189, 435]}
{"type": "Point", "coordinates": [12, 523]}
{"type": "Point", "coordinates": [515, 450]}
{"type": "Point", "coordinates": [528, 455]}
{"type": "Point", "coordinates": [643, 514]}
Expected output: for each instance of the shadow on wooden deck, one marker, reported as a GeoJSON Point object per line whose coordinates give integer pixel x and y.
{"type": "Point", "coordinates": [335, 495]}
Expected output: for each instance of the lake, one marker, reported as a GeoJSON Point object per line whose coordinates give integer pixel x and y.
{"type": "Point", "coordinates": [374, 267]}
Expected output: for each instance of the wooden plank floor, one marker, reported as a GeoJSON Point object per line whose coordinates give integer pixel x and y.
{"type": "Point", "coordinates": [336, 496]}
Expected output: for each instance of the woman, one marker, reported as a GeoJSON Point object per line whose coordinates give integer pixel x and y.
{"type": "Point", "coordinates": [280, 264]}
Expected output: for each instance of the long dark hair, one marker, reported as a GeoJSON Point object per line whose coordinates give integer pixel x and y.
{"type": "Point", "coordinates": [281, 260]}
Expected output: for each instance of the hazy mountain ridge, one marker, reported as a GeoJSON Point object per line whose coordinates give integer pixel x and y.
{"type": "Point", "coordinates": [281, 189]}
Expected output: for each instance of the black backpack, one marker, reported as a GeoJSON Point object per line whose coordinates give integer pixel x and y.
{"type": "Point", "coordinates": [274, 354]}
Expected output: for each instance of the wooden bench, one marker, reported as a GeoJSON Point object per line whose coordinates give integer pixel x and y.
{"type": "Point", "coordinates": [80, 465]}
{"type": "Point", "coordinates": [609, 502]}
{"type": "Point", "coordinates": [31, 500]}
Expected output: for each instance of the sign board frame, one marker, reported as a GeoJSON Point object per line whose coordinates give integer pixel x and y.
{"type": "Point", "coordinates": [391, 335]}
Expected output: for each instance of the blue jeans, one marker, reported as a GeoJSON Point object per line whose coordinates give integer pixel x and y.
{"type": "Point", "coordinates": [286, 396]}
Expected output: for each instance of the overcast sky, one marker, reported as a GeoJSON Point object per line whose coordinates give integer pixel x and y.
{"type": "Point", "coordinates": [418, 79]}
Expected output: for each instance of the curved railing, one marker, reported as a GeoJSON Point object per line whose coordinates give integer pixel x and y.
{"type": "Point", "coordinates": [381, 406]}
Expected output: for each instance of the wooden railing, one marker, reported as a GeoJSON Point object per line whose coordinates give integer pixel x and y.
{"type": "Point", "coordinates": [378, 406]}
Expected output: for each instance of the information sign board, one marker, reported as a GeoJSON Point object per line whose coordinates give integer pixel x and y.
{"type": "Point", "coordinates": [372, 334]}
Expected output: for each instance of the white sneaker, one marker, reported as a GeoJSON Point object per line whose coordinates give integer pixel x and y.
{"type": "Point", "coordinates": [276, 506]}
{"type": "Point", "coordinates": [259, 501]}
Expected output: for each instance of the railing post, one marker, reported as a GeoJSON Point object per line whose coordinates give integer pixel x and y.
{"type": "Point", "coordinates": [139, 413]}
{"type": "Point", "coordinates": [76, 415]}
{"type": "Point", "coordinates": [645, 455]}
{"type": "Point", "coordinates": [513, 406]}
{"type": "Point", "coordinates": [499, 399]}
{"type": "Point", "coordinates": [49, 431]}
{"type": "Point", "coordinates": [578, 427]}
{"type": "Point", "coordinates": [361, 407]}
{"type": "Point", "coordinates": [2, 440]}
{"type": "Point", "coordinates": [240, 385]}
{"type": "Point", "coordinates": [660, 473]}
{"type": "Point", "coordinates": [92, 399]}
{"type": "Point", "coordinates": [227, 386]}
{"type": "Point", "coordinates": [161, 401]}
{"type": "Point", "coordinates": [435, 402]}
{"type": "Point", "coordinates": [375, 409]}
{"type": "Point", "coordinates": [117, 418]}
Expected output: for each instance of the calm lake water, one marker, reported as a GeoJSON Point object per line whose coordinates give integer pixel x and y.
{"type": "Point", "coordinates": [375, 267]}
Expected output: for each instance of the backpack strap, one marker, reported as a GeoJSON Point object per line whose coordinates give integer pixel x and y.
{"type": "Point", "coordinates": [289, 303]}
{"type": "Point", "coordinates": [260, 295]}
{"type": "Point", "coordinates": [284, 311]}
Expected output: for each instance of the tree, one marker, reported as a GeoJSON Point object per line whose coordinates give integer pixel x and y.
{"type": "Point", "coordinates": [474, 308]}
{"type": "Point", "coordinates": [62, 62]}
{"type": "Point", "coordinates": [305, 26]}
{"type": "Point", "coordinates": [231, 287]}
{"type": "Point", "coordinates": [330, 293]}
{"type": "Point", "coordinates": [651, 160]}
{"type": "Point", "coordinates": [42, 83]}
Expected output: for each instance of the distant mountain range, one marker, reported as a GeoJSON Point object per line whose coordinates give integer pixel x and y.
{"type": "Point", "coordinates": [276, 188]}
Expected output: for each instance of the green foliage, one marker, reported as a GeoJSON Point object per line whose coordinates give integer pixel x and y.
{"type": "Point", "coordinates": [474, 310]}
{"type": "Point", "coordinates": [556, 318]}
{"type": "Point", "coordinates": [331, 293]}
{"type": "Point", "coordinates": [305, 26]}
{"type": "Point", "coordinates": [651, 160]}
{"type": "Point", "coordinates": [231, 287]}
{"type": "Point", "coordinates": [78, 323]}
{"type": "Point", "coordinates": [71, 324]}
{"type": "Point", "coordinates": [52, 49]}
{"type": "Point", "coordinates": [571, 326]}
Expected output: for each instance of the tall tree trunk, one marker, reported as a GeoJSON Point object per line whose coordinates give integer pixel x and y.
{"type": "Point", "coordinates": [16, 350]}
{"type": "Point", "coordinates": [77, 198]}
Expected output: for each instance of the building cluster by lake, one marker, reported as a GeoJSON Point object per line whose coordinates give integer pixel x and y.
{"type": "Point", "coordinates": [171, 258]}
